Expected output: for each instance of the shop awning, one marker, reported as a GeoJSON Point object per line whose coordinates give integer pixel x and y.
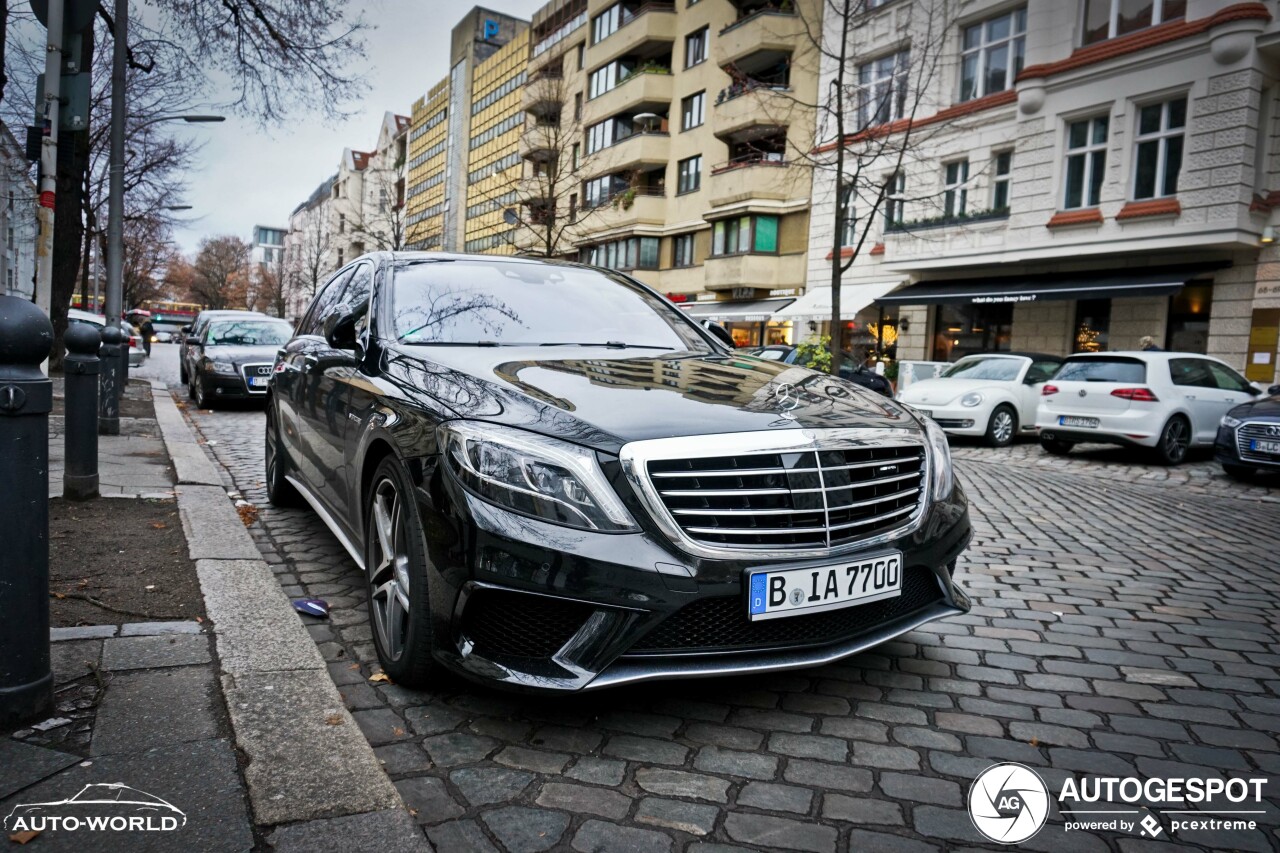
{"type": "Point", "coordinates": [816, 302]}
{"type": "Point", "coordinates": [1055, 286]}
{"type": "Point", "coordinates": [753, 311]}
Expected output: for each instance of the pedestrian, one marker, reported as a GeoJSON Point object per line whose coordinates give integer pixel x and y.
{"type": "Point", "coordinates": [1148, 344]}
{"type": "Point", "coordinates": [147, 331]}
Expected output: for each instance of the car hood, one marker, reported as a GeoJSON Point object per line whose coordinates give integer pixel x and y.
{"type": "Point", "coordinates": [1266, 407]}
{"type": "Point", "coordinates": [945, 390]}
{"type": "Point", "coordinates": [238, 354]}
{"type": "Point", "coordinates": [603, 398]}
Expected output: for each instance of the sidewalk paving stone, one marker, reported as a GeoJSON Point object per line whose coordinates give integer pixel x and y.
{"type": "Point", "coordinates": [122, 653]}
{"type": "Point", "coordinates": [25, 764]}
{"type": "Point", "coordinates": [387, 831]}
{"type": "Point", "coordinates": [138, 711]}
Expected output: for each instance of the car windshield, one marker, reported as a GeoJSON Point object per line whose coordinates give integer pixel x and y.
{"type": "Point", "coordinates": [1102, 369]}
{"type": "Point", "coordinates": [254, 332]}
{"type": "Point", "coordinates": [770, 354]}
{"type": "Point", "coordinates": [504, 303]}
{"type": "Point", "coordinates": [992, 369]}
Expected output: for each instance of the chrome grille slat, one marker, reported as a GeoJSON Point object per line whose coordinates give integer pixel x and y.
{"type": "Point", "coordinates": [806, 499]}
{"type": "Point", "coordinates": [1254, 430]}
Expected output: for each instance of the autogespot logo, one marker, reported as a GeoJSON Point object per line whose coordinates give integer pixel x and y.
{"type": "Point", "coordinates": [1008, 803]}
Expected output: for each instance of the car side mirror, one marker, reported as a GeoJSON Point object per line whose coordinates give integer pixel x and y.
{"type": "Point", "coordinates": [186, 330]}
{"type": "Point", "coordinates": [720, 333]}
{"type": "Point", "coordinates": [1274, 390]}
{"type": "Point", "coordinates": [340, 327]}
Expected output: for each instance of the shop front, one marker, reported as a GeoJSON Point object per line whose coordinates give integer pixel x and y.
{"type": "Point", "coordinates": [866, 329]}
{"type": "Point", "coordinates": [752, 323]}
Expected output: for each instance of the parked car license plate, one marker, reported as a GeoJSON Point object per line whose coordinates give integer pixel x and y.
{"type": "Point", "coordinates": [1264, 446]}
{"type": "Point", "coordinates": [790, 592]}
{"type": "Point", "coordinates": [258, 381]}
{"type": "Point", "coordinates": [1069, 420]}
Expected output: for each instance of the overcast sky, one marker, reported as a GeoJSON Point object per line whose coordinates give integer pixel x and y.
{"type": "Point", "coordinates": [252, 176]}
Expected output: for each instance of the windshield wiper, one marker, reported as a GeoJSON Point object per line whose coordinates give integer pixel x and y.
{"type": "Point", "coordinates": [454, 343]}
{"type": "Point", "coordinates": [609, 344]}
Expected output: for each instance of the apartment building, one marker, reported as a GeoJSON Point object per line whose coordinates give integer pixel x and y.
{"type": "Point", "coordinates": [447, 127]}
{"type": "Point", "coordinates": [684, 126]}
{"type": "Point", "coordinates": [1088, 173]}
{"type": "Point", "coordinates": [18, 226]}
{"type": "Point", "coordinates": [308, 252]}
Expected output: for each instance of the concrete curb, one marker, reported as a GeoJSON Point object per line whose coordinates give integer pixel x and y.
{"type": "Point", "coordinates": [307, 757]}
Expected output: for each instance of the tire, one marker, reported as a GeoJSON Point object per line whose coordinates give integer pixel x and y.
{"type": "Point", "coordinates": [1056, 446]}
{"type": "Point", "coordinates": [1243, 473]}
{"type": "Point", "coordinates": [182, 374]}
{"type": "Point", "coordinates": [1002, 428]}
{"type": "Point", "coordinates": [1175, 441]}
{"type": "Point", "coordinates": [280, 491]}
{"type": "Point", "coordinates": [401, 620]}
{"type": "Point", "coordinates": [197, 392]}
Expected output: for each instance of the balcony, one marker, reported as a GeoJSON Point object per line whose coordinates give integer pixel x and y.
{"type": "Point", "coordinates": [763, 272]}
{"type": "Point", "coordinates": [766, 31]}
{"type": "Point", "coordinates": [643, 150]}
{"type": "Point", "coordinates": [757, 177]}
{"type": "Point", "coordinates": [649, 22]}
{"type": "Point", "coordinates": [632, 206]}
{"type": "Point", "coordinates": [639, 90]}
{"type": "Point", "coordinates": [545, 92]}
{"type": "Point", "coordinates": [737, 110]}
{"type": "Point", "coordinates": [539, 142]}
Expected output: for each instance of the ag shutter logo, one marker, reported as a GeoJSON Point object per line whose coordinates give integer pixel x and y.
{"type": "Point", "coordinates": [1008, 803]}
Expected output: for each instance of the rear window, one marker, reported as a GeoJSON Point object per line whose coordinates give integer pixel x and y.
{"type": "Point", "coordinates": [1101, 369]}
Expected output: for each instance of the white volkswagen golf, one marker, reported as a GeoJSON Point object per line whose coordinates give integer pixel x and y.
{"type": "Point", "coordinates": [1166, 401]}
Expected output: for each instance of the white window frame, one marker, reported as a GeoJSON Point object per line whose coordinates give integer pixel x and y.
{"type": "Point", "coordinates": [955, 181]}
{"type": "Point", "coordinates": [878, 87]}
{"type": "Point", "coordinates": [848, 208]}
{"type": "Point", "coordinates": [1161, 137]}
{"type": "Point", "coordinates": [698, 100]}
{"type": "Point", "coordinates": [999, 179]}
{"type": "Point", "coordinates": [683, 169]}
{"type": "Point", "coordinates": [1157, 17]}
{"type": "Point", "coordinates": [1086, 151]}
{"type": "Point", "coordinates": [1015, 41]}
{"type": "Point", "coordinates": [895, 201]}
{"type": "Point", "coordinates": [702, 37]}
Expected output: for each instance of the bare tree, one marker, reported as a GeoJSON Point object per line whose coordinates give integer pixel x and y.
{"type": "Point", "coordinates": [309, 257]}
{"type": "Point", "coordinates": [272, 293]}
{"type": "Point", "coordinates": [147, 255]}
{"type": "Point", "coordinates": [382, 218]}
{"type": "Point", "coordinates": [221, 272]}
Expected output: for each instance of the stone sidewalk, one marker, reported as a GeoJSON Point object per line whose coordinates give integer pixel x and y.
{"type": "Point", "coordinates": [230, 719]}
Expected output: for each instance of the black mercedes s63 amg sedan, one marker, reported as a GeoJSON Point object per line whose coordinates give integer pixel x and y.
{"type": "Point", "coordinates": [553, 479]}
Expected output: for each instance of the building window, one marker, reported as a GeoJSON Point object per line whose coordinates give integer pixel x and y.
{"type": "Point", "coordinates": [955, 196]}
{"type": "Point", "coordinates": [1000, 182]}
{"type": "Point", "coordinates": [695, 47]}
{"type": "Point", "coordinates": [992, 54]}
{"type": "Point", "coordinates": [882, 88]}
{"type": "Point", "coordinates": [689, 175]}
{"type": "Point", "coordinates": [848, 224]}
{"type": "Point", "coordinates": [1086, 162]}
{"type": "Point", "coordinates": [965, 329]}
{"type": "Point", "coordinates": [895, 201]}
{"type": "Point", "coordinates": [628, 254]}
{"type": "Point", "coordinates": [1188, 329]}
{"type": "Point", "coordinates": [1104, 19]}
{"type": "Point", "coordinates": [342, 223]}
{"type": "Point", "coordinates": [1159, 148]}
{"type": "Point", "coordinates": [682, 250]}
{"type": "Point", "coordinates": [577, 106]}
{"type": "Point", "coordinates": [693, 110]}
{"type": "Point", "coordinates": [744, 234]}
{"type": "Point", "coordinates": [582, 54]}
{"type": "Point", "coordinates": [575, 155]}
{"type": "Point", "coordinates": [606, 23]}
{"type": "Point", "coordinates": [601, 80]}
{"type": "Point", "coordinates": [1093, 325]}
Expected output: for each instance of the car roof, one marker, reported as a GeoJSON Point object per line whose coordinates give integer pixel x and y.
{"type": "Point", "coordinates": [1144, 355]}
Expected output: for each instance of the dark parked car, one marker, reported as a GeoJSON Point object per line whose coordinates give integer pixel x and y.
{"type": "Point", "coordinates": [1249, 437]}
{"type": "Point", "coordinates": [196, 329]}
{"type": "Point", "coordinates": [850, 367]}
{"type": "Point", "coordinates": [232, 357]}
{"type": "Point", "coordinates": [555, 480]}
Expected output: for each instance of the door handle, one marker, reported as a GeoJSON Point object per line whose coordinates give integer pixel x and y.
{"type": "Point", "coordinates": [310, 363]}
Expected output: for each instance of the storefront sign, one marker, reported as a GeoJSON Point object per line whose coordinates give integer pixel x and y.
{"type": "Point", "coordinates": [1004, 297]}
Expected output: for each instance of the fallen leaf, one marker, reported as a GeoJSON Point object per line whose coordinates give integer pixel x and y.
{"type": "Point", "coordinates": [333, 720]}
{"type": "Point", "coordinates": [58, 595]}
{"type": "Point", "coordinates": [380, 678]}
{"type": "Point", "coordinates": [200, 619]}
{"type": "Point", "coordinates": [1035, 741]}
{"type": "Point", "coordinates": [397, 731]}
{"type": "Point", "coordinates": [159, 525]}
{"type": "Point", "coordinates": [248, 513]}
{"type": "Point", "coordinates": [413, 812]}
{"type": "Point", "coordinates": [24, 836]}
{"type": "Point", "coordinates": [150, 586]}
{"type": "Point", "coordinates": [354, 666]}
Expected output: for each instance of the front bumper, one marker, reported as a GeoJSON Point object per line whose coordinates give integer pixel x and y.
{"type": "Point", "coordinates": [958, 420]}
{"type": "Point", "coordinates": [531, 605]}
{"type": "Point", "coordinates": [225, 386]}
{"type": "Point", "coordinates": [1226, 451]}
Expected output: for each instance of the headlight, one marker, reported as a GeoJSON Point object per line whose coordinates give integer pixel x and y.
{"type": "Point", "coordinates": [223, 367]}
{"type": "Point", "coordinates": [971, 399]}
{"type": "Point", "coordinates": [1230, 422]}
{"type": "Point", "coordinates": [533, 474]}
{"type": "Point", "coordinates": [940, 461]}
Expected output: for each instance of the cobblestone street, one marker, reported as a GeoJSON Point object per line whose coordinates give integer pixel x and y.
{"type": "Point", "coordinates": [1124, 623]}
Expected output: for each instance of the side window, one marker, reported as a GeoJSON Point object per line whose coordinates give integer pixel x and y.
{"type": "Point", "coordinates": [1191, 372]}
{"type": "Point", "coordinates": [357, 294]}
{"type": "Point", "coordinates": [1040, 371]}
{"type": "Point", "coordinates": [326, 298]}
{"type": "Point", "coordinates": [1226, 378]}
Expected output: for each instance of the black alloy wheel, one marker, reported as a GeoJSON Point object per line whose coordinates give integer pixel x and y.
{"type": "Point", "coordinates": [280, 491]}
{"type": "Point", "coordinates": [1175, 441]}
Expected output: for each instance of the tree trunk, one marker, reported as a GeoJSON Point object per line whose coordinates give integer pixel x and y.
{"type": "Point", "coordinates": [68, 232]}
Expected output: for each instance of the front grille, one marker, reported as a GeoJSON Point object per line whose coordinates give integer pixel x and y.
{"type": "Point", "coordinates": [792, 500]}
{"type": "Point", "coordinates": [721, 624]}
{"type": "Point", "coordinates": [251, 370]}
{"type": "Point", "coordinates": [512, 624]}
{"type": "Point", "coordinates": [1261, 431]}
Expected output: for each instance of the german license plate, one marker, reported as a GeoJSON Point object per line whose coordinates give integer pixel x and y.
{"type": "Point", "coordinates": [791, 592]}
{"type": "Point", "coordinates": [1259, 446]}
{"type": "Point", "coordinates": [1068, 420]}
{"type": "Point", "coordinates": [259, 381]}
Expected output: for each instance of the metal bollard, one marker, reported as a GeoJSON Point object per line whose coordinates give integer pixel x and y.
{"type": "Point", "coordinates": [109, 394]}
{"type": "Point", "coordinates": [26, 398]}
{"type": "Point", "coordinates": [122, 381]}
{"type": "Point", "coordinates": [80, 473]}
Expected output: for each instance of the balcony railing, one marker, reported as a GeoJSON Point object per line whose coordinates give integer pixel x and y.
{"type": "Point", "coordinates": [737, 90]}
{"type": "Point", "coordinates": [622, 199]}
{"type": "Point", "coordinates": [751, 16]}
{"type": "Point", "coordinates": [945, 220]}
{"type": "Point", "coordinates": [756, 158]}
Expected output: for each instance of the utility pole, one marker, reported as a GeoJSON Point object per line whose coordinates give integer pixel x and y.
{"type": "Point", "coordinates": [49, 157]}
{"type": "Point", "coordinates": [115, 186]}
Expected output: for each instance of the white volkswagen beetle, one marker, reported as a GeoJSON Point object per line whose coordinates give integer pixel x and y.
{"type": "Point", "coordinates": [993, 395]}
